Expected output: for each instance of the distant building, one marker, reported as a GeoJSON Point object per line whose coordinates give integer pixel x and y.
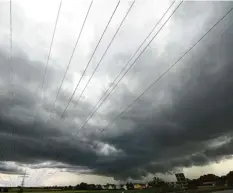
{"type": "Point", "coordinates": [139, 186]}
{"type": "Point", "coordinates": [121, 187]}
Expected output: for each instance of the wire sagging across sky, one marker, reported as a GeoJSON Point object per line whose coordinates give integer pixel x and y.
{"type": "Point", "coordinates": [156, 66]}
{"type": "Point", "coordinates": [165, 72]}
{"type": "Point", "coordinates": [48, 58]}
{"type": "Point", "coordinates": [111, 89]}
{"type": "Point", "coordinates": [71, 57]}
{"type": "Point", "coordinates": [105, 52]}
{"type": "Point", "coordinates": [106, 27]}
{"type": "Point", "coordinates": [78, 130]}
{"type": "Point", "coordinates": [71, 97]}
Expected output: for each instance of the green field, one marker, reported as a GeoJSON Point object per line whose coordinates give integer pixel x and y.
{"type": "Point", "coordinates": [41, 190]}
{"type": "Point", "coordinates": [80, 191]}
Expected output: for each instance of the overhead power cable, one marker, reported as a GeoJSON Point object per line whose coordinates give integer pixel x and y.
{"type": "Point", "coordinates": [11, 68]}
{"type": "Point", "coordinates": [71, 57]}
{"type": "Point", "coordinates": [48, 58]}
{"type": "Point", "coordinates": [166, 71]}
{"type": "Point", "coordinates": [50, 48]}
{"type": "Point", "coordinates": [63, 113]}
{"type": "Point", "coordinates": [111, 89]}
{"type": "Point", "coordinates": [105, 52]}
{"type": "Point", "coordinates": [47, 62]}
{"type": "Point", "coordinates": [148, 36]}
{"type": "Point", "coordinates": [88, 65]}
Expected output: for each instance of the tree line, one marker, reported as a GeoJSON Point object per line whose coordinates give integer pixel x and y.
{"type": "Point", "coordinates": [156, 183]}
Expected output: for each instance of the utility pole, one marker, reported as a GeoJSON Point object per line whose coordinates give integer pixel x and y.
{"type": "Point", "coordinates": [22, 183]}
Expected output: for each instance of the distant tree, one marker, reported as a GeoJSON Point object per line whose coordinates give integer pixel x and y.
{"type": "Point", "coordinates": [70, 187]}
{"type": "Point", "coordinates": [83, 186]}
{"type": "Point", "coordinates": [77, 187]}
{"type": "Point", "coordinates": [91, 186]}
{"type": "Point", "coordinates": [120, 186]}
{"type": "Point", "coordinates": [157, 182]}
{"type": "Point", "coordinates": [229, 178]}
{"type": "Point", "coordinates": [193, 184]}
{"type": "Point", "coordinates": [208, 178]}
{"type": "Point", "coordinates": [98, 187]}
{"type": "Point", "coordinates": [130, 186]}
{"type": "Point", "coordinates": [220, 181]}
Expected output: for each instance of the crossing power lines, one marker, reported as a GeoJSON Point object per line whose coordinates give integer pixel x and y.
{"type": "Point", "coordinates": [125, 70]}
{"type": "Point", "coordinates": [47, 62]}
{"type": "Point", "coordinates": [71, 57]}
{"type": "Point", "coordinates": [166, 71]}
{"type": "Point", "coordinates": [88, 63]}
{"type": "Point", "coordinates": [58, 154]}
{"type": "Point", "coordinates": [105, 52]}
{"type": "Point", "coordinates": [133, 62]}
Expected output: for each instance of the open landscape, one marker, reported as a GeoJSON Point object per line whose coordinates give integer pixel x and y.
{"type": "Point", "coordinates": [116, 96]}
{"type": "Point", "coordinates": [204, 184]}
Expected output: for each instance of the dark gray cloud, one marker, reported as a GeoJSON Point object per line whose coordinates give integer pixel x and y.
{"type": "Point", "coordinates": [200, 111]}
{"type": "Point", "coordinates": [176, 124]}
{"type": "Point", "coordinates": [7, 169]}
{"type": "Point", "coordinates": [22, 139]}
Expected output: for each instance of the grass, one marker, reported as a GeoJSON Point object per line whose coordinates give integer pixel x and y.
{"type": "Point", "coordinates": [41, 190]}
{"type": "Point", "coordinates": [79, 191]}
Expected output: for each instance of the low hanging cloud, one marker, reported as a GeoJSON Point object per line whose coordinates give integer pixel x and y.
{"type": "Point", "coordinates": [184, 120]}
{"type": "Point", "coordinates": [10, 169]}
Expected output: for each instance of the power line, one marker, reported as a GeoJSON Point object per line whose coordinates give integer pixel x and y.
{"type": "Point", "coordinates": [168, 69]}
{"type": "Point", "coordinates": [153, 36]}
{"type": "Point", "coordinates": [110, 19]}
{"type": "Point", "coordinates": [11, 77]}
{"type": "Point", "coordinates": [180, 58]}
{"type": "Point", "coordinates": [50, 48]}
{"type": "Point", "coordinates": [11, 68]}
{"type": "Point", "coordinates": [104, 97]}
{"type": "Point", "coordinates": [48, 58]}
{"type": "Point", "coordinates": [62, 115]}
{"type": "Point", "coordinates": [105, 52]}
{"type": "Point", "coordinates": [10, 58]}
{"type": "Point", "coordinates": [67, 67]}
{"type": "Point", "coordinates": [47, 62]}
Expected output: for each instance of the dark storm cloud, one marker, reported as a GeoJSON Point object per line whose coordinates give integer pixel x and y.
{"type": "Point", "coordinates": [56, 165]}
{"type": "Point", "coordinates": [7, 169]}
{"type": "Point", "coordinates": [178, 134]}
{"type": "Point", "coordinates": [22, 139]}
{"type": "Point", "coordinates": [62, 167]}
{"type": "Point", "coordinates": [171, 126]}
{"type": "Point", "coordinates": [24, 70]}
{"type": "Point", "coordinates": [20, 145]}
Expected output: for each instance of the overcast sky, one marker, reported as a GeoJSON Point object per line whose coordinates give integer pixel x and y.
{"type": "Point", "coordinates": [182, 123]}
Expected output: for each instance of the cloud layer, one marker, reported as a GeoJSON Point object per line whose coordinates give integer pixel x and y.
{"type": "Point", "coordinates": [184, 120]}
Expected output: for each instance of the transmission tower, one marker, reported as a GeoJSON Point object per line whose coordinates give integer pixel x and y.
{"type": "Point", "coordinates": [23, 181]}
